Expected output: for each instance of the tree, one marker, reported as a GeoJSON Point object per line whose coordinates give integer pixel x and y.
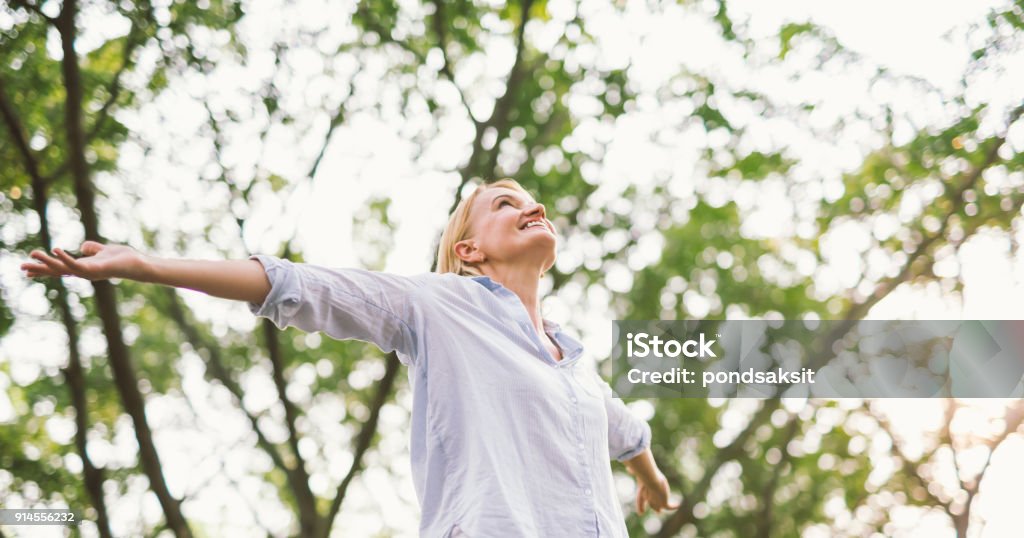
{"type": "Point", "coordinates": [664, 220]}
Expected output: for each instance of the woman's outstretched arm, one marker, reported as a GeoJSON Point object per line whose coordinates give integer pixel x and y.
{"type": "Point", "coordinates": [343, 303]}
{"type": "Point", "coordinates": [240, 280]}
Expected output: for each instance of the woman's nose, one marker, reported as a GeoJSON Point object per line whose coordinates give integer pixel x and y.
{"type": "Point", "coordinates": [537, 208]}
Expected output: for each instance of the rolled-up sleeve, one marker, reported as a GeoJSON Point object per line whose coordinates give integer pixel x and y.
{"type": "Point", "coordinates": [628, 435]}
{"type": "Point", "coordinates": [343, 303]}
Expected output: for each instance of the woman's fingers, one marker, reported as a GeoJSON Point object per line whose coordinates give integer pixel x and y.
{"type": "Point", "coordinates": [68, 260]}
{"type": "Point", "coordinates": [39, 274]}
{"type": "Point", "coordinates": [37, 269]}
{"type": "Point", "coordinates": [90, 248]}
{"type": "Point", "coordinates": [62, 263]}
{"type": "Point", "coordinates": [654, 499]}
{"type": "Point", "coordinates": [33, 273]}
{"type": "Point", "coordinates": [28, 266]}
{"type": "Point", "coordinates": [659, 504]}
{"type": "Point", "coordinates": [51, 263]}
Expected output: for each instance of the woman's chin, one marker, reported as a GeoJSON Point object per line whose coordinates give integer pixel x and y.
{"type": "Point", "coordinates": [546, 245]}
{"type": "Point", "coordinates": [541, 251]}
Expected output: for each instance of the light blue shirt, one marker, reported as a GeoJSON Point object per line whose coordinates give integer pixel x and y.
{"type": "Point", "coordinates": [506, 440]}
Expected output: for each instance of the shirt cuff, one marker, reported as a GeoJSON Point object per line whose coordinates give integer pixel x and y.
{"type": "Point", "coordinates": [645, 442]}
{"type": "Point", "coordinates": [285, 290]}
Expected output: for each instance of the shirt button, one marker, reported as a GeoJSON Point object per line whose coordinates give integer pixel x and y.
{"type": "Point", "coordinates": [588, 492]}
{"type": "Point", "coordinates": [574, 399]}
{"type": "Point", "coordinates": [580, 445]}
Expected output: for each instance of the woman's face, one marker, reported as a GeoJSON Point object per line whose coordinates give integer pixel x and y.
{"type": "Point", "coordinates": [508, 227]}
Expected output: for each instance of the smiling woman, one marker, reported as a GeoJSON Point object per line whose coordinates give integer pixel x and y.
{"type": "Point", "coordinates": [491, 200]}
{"type": "Point", "coordinates": [512, 435]}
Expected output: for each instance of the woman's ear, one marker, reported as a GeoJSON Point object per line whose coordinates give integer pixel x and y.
{"type": "Point", "coordinates": [467, 251]}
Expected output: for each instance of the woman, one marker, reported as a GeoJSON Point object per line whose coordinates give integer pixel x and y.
{"type": "Point", "coordinates": [511, 433]}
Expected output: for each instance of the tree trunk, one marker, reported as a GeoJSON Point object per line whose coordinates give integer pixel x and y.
{"type": "Point", "coordinates": [73, 373]}
{"type": "Point", "coordinates": [106, 302]}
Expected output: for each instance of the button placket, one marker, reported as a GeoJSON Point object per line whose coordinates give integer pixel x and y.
{"type": "Point", "coordinates": [577, 419]}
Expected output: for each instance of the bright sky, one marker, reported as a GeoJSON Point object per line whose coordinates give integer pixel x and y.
{"type": "Point", "coordinates": [369, 157]}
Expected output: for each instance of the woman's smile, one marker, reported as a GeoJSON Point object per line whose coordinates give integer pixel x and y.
{"type": "Point", "coordinates": [537, 224]}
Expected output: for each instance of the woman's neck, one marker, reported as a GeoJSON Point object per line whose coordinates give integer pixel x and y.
{"type": "Point", "coordinates": [525, 284]}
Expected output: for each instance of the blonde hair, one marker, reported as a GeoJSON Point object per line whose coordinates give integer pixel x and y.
{"type": "Point", "coordinates": [458, 228]}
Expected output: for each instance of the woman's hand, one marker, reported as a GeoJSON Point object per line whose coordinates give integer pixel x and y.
{"type": "Point", "coordinates": [653, 493]}
{"type": "Point", "coordinates": [651, 485]}
{"type": "Point", "coordinates": [98, 262]}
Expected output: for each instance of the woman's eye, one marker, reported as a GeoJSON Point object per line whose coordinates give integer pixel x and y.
{"type": "Point", "coordinates": [503, 203]}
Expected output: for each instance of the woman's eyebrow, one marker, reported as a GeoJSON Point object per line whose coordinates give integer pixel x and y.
{"type": "Point", "coordinates": [500, 196]}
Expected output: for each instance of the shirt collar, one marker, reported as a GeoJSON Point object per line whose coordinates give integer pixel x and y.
{"type": "Point", "coordinates": [487, 282]}
{"type": "Point", "coordinates": [571, 348]}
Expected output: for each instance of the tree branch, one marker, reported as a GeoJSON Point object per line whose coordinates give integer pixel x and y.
{"type": "Point", "coordinates": [14, 127]}
{"type": "Point", "coordinates": [73, 373]}
{"type": "Point", "coordinates": [823, 351]}
{"type": "Point", "coordinates": [113, 92]}
{"type": "Point", "coordinates": [124, 375]}
{"type": "Point", "coordinates": [298, 476]}
{"type": "Point", "coordinates": [1014, 417]}
{"type": "Point", "coordinates": [766, 516]}
{"type": "Point", "coordinates": [946, 436]}
{"type": "Point", "coordinates": [366, 433]}
{"type": "Point", "coordinates": [308, 518]}
{"type": "Point", "coordinates": [886, 286]}
{"type": "Point", "coordinates": [497, 121]}
{"type": "Point", "coordinates": [911, 468]}
{"type": "Point", "coordinates": [115, 86]}
{"type": "Point", "coordinates": [956, 197]}
{"type": "Point", "coordinates": [337, 118]}
{"type": "Point", "coordinates": [385, 37]}
{"type": "Point", "coordinates": [500, 115]}
{"type": "Point", "coordinates": [25, 4]}
{"type": "Point", "coordinates": [446, 67]}
{"type": "Point", "coordinates": [674, 522]}
{"type": "Point", "coordinates": [442, 38]}
{"type": "Point", "coordinates": [219, 371]}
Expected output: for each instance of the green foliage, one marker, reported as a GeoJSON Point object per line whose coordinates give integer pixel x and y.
{"type": "Point", "coordinates": [756, 165]}
{"type": "Point", "coordinates": [790, 31]}
{"type": "Point", "coordinates": [710, 263]}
